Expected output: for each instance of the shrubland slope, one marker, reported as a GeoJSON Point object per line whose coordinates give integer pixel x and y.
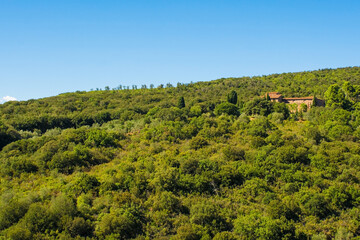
{"type": "Point", "coordinates": [208, 160]}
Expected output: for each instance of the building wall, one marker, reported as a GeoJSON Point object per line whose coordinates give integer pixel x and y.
{"type": "Point", "coordinates": [308, 102]}
{"type": "Point", "coordinates": [278, 99]}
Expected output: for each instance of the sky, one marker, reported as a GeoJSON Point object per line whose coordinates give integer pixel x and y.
{"type": "Point", "coordinates": [52, 47]}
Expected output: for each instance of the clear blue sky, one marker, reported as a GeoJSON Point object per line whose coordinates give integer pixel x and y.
{"type": "Point", "coordinates": [51, 47]}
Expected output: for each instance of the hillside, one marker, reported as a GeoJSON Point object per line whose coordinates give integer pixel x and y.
{"type": "Point", "coordinates": [207, 160]}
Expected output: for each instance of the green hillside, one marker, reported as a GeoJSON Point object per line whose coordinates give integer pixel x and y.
{"type": "Point", "coordinates": [207, 160]}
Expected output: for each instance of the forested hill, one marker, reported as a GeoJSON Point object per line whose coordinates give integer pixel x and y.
{"type": "Point", "coordinates": [207, 160]}
{"type": "Point", "coordinates": [85, 108]}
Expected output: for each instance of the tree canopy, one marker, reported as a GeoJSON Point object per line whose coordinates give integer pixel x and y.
{"type": "Point", "coordinates": [140, 164]}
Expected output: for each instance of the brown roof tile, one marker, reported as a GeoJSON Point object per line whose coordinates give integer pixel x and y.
{"type": "Point", "coordinates": [274, 95]}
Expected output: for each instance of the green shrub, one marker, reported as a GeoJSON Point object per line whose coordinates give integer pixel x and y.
{"type": "Point", "coordinates": [123, 223]}
{"type": "Point", "coordinates": [38, 219]}
{"type": "Point", "coordinates": [227, 108]}
{"type": "Point", "coordinates": [18, 232]}
{"type": "Point", "coordinates": [198, 142]}
{"type": "Point", "coordinates": [80, 227]}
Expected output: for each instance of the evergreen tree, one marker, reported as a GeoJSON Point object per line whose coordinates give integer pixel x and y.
{"type": "Point", "coordinates": [313, 104]}
{"type": "Point", "coordinates": [335, 96]}
{"type": "Point", "coordinates": [232, 97]}
{"type": "Point", "coordinates": [268, 97]}
{"type": "Point", "coordinates": [181, 102]}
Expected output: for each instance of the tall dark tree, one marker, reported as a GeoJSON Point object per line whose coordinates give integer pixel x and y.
{"type": "Point", "coordinates": [232, 97]}
{"type": "Point", "coordinates": [181, 102]}
{"type": "Point", "coordinates": [268, 97]}
{"type": "Point", "coordinates": [313, 104]}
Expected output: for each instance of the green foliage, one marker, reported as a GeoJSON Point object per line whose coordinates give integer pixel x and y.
{"type": "Point", "coordinates": [7, 135]}
{"type": "Point", "coordinates": [313, 103]}
{"type": "Point", "coordinates": [62, 206]}
{"type": "Point", "coordinates": [257, 226]}
{"type": "Point", "coordinates": [18, 233]}
{"type": "Point", "coordinates": [186, 232]}
{"type": "Point", "coordinates": [85, 183]}
{"type": "Point", "coordinates": [80, 227]}
{"type": "Point", "coordinates": [259, 106]}
{"type": "Point", "coordinates": [234, 153]}
{"type": "Point", "coordinates": [67, 160]}
{"type": "Point", "coordinates": [38, 219]}
{"type": "Point", "coordinates": [195, 111]}
{"type": "Point", "coordinates": [316, 205]}
{"type": "Point", "coordinates": [232, 97]}
{"type": "Point", "coordinates": [98, 138]}
{"type": "Point", "coordinates": [260, 127]}
{"type": "Point", "coordinates": [226, 108]}
{"type": "Point", "coordinates": [282, 108]}
{"type": "Point", "coordinates": [134, 164]}
{"type": "Point", "coordinates": [313, 133]}
{"type": "Point", "coordinates": [123, 223]}
{"type": "Point", "coordinates": [181, 102]}
{"type": "Point", "coordinates": [303, 107]}
{"type": "Point", "coordinates": [12, 210]}
{"type": "Point", "coordinates": [198, 142]}
{"type": "Point", "coordinates": [207, 215]}
{"type": "Point", "coordinates": [335, 97]}
{"type": "Point", "coordinates": [268, 97]}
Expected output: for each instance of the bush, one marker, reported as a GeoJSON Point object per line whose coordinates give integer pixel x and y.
{"type": "Point", "coordinates": [124, 223]}
{"type": "Point", "coordinates": [66, 161]}
{"type": "Point", "coordinates": [234, 153]}
{"type": "Point", "coordinates": [313, 133]}
{"type": "Point", "coordinates": [260, 127]}
{"type": "Point", "coordinates": [207, 215]}
{"type": "Point", "coordinates": [186, 232]}
{"type": "Point", "coordinates": [227, 108]}
{"type": "Point", "coordinates": [18, 232]}
{"type": "Point", "coordinates": [7, 135]}
{"type": "Point", "coordinates": [277, 117]}
{"type": "Point", "coordinates": [100, 138]}
{"type": "Point", "coordinates": [38, 219]}
{"type": "Point", "coordinates": [85, 183]}
{"type": "Point", "coordinates": [225, 236]}
{"type": "Point", "coordinates": [258, 106]}
{"type": "Point", "coordinates": [317, 205]}
{"type": "Point", "coordinates": [282, 108]}
{"type": "Point", "coordinates": [11, 211]}
{"type": "Point", "coordinates": [195, 111]}
{"type": "Point", "coordinates": [80, 227]}
{"type": "Point", "coordinates": [62, 206]}
{"type": "Point", "coordinates": [258, 226]}
{"type": "Point", "coordinates": [340, 132]}
{"type": "Point", "coordinates": [165, 201]}
{"type": "Point", "coordinates": [198, 142]}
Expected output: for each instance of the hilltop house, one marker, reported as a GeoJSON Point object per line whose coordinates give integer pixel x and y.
{"type": "Point", "coordinates": [277, 97]}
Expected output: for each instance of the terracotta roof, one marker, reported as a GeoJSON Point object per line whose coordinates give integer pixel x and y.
{"type": "Point", "coordinates": [274, 95]}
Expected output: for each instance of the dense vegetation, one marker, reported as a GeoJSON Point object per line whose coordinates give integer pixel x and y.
{"type": "Point", "coordinates": [209, 160]}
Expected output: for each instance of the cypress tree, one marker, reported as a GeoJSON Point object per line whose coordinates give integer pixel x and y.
{"type": "Point", "coordinates": [232, 97]}
{"type": "Point", "coordinates": [268, 97]}
{"type": "Point", "coordinates": [313, 104]}
{"type": "Point", "coordinates": [181, 102]}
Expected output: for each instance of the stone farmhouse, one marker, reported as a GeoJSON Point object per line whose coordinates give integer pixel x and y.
{"type": "Point", "coordinates": [277, 97]}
